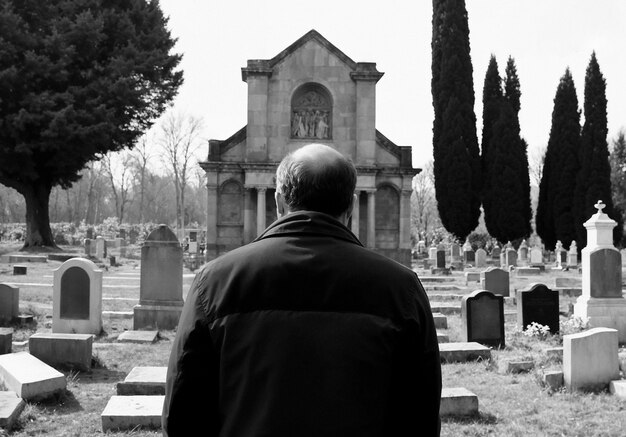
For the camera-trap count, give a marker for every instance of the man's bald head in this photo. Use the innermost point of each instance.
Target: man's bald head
(316, 178)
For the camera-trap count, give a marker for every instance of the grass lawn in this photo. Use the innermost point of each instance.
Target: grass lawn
(509, 404)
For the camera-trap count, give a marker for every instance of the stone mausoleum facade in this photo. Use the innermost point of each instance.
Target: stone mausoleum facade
(309, 92)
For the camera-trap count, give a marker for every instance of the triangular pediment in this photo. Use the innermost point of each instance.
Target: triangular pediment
(315, 36)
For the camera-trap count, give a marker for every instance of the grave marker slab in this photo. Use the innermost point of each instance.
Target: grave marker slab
(77, 298)
(143, 380)
(19, 269)
(29, 377)
(161, 283)
(67, 351)
(9, 303)
(481, 257)
(10, 408)
(6, 340)
(495, 280)
(129, 412)
(458, 401)
(590, 359)
(536, 256)
(101, 247)
(441, 259)
(618, 388)
(138, 336)
(463, 351)
(482, 315)
(537, 303)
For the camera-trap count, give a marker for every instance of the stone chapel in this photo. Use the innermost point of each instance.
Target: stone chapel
(309, 92)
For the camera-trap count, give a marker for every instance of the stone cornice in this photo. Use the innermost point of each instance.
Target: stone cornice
(366, 71)
(256, 67)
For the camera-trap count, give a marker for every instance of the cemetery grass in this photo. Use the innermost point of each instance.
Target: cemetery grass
(509, 404)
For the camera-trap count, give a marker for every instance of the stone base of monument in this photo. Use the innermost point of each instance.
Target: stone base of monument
(143, 381)
(29, 377)
(130, 412)
(603, 313)
(11, 407)
(458, 401)
(163, 317)
(67, 351)
(463, 351)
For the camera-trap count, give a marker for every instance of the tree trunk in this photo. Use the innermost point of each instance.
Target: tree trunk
(38, 232)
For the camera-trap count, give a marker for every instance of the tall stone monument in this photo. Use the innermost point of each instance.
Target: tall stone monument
(161, 281)
(601, 300)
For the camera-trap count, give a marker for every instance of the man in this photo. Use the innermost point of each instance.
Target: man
(304, 332)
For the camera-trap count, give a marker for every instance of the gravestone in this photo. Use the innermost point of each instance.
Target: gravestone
(122, 233)
(558, 251)
(441, 259)
(601, 301)
(77, 298)
(122, 248)
(536, 256)
(89, 235)
(421, 247)
(455, 252)
(495, 280)
(572, 255)
(432, 253)
(482, 314)
(87, 243)
(101, 247)
(9, 303)
(495, 253)
(161, 281)
(590, 359)
(522, 252)
(537, 303)
(469, 257)
(481, 257)
(193, 242)
(510, 257)
(6, 340)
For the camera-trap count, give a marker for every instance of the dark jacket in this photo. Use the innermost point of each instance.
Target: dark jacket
(304, 332)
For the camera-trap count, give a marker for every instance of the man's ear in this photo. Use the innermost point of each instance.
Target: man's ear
(280, 204)
(353, 205)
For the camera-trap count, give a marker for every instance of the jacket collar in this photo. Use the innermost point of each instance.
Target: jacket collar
(309, 223)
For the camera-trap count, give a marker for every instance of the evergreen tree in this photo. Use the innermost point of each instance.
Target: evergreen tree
(506, 199)
(78, 78)
(555, 218)
(594, 178)
(455, 144)
(492, 98)
(617, 160)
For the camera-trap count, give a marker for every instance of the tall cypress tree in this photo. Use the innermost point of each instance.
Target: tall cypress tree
(455, 144)
(594, 178)
(506, 194)
(492, 98)
(555, 218)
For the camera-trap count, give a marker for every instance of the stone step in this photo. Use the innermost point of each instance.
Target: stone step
(129, 412)
(148, 380)
(458, 401)
(445, 308)
(463, 351)
(11, 407)
(441, 321)
(29, 377)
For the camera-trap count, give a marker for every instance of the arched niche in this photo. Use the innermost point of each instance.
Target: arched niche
(311, 112)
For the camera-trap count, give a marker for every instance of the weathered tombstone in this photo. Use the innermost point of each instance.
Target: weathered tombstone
(572, 255)
(590, 359)
(601, 301)
(469, 257)
(432, 253)
(522, 252)
(495, 280)
(482, 314)
(161, 282)
(123, 249)
(536, 256)
(421, 247)
(455, 252)
(537, 303)
(6, 340)
(441, 259)
(481, 257)
(87, 244)
(510, 257)
(101, 247)
(77, 298)
(122, 233)
(9, 303)
(89, 235)
(495, 252)
(557, 254)
(112, 261)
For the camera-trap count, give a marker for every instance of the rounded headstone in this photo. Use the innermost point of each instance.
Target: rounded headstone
(162, 235)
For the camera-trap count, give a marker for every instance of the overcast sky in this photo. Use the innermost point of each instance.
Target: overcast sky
(544, 36)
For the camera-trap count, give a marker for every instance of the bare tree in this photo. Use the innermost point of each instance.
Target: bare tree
(535, 165)
(424, 215)
(141, 156)
(179, 138)
(117, 166)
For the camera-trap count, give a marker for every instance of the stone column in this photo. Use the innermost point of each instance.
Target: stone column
(356, 215)
(260, 210)
(405, 220)
(248, 217)
(366, 76)
(601, 300)
(211, 222)
(257, 74)
(371, 219)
